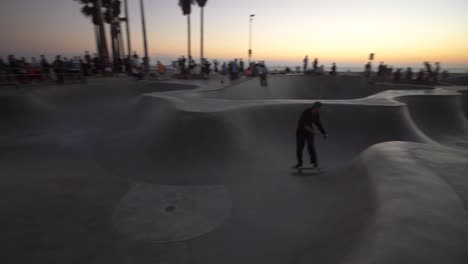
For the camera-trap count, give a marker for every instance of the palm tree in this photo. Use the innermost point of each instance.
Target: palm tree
(186, 6)
(202, 4)
(111, 17)
(93, 9)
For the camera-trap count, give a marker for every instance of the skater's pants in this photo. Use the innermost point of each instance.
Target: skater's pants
(301, 138)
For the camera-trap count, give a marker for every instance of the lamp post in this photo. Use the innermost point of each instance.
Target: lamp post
(250, 37)
(146, 59)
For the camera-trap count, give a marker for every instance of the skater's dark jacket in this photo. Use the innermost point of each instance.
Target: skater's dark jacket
(309, 117)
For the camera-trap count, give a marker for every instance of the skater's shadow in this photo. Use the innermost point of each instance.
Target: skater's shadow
(307, 173)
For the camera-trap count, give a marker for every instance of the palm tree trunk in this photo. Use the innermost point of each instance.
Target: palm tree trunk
(127, 21)
(189, 43)
(114, 37)
(201, 36)
(121, 41)
(98, 39)
(104, 53)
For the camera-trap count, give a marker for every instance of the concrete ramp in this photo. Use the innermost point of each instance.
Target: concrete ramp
(440, 117)
(304, 87)
(148, 173)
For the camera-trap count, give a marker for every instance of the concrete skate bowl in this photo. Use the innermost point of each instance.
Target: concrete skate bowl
(250, 150)
(135, 178)
(304, 87)
(39, 107)
(465, 102)
(440, 117)
(458, 80)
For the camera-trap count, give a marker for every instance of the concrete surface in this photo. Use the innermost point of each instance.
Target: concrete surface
(118, 171)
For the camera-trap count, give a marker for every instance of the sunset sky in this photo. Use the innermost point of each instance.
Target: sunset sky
(400, 32)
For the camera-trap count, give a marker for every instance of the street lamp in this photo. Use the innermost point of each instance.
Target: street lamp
(250, 37)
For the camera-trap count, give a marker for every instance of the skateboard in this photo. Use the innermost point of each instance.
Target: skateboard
(300, 169)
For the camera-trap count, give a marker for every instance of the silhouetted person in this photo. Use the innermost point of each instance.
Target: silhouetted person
(118, 66)
(67, 65)
(367, 69)
(429, 70)
(241, 66)
(34, 70)
(389, 72)
(262, 72)
(409, 74)
(75, 68)
(436, 71)
(333, 69)
(87, 63)
(315, 65)
(87, 57)
(305, 132)
(3, 70)
(12, 68)
(306, 63)
(161, 69)
(234, 69)
(21, 72)
(381, 70)
(397, 75)
(216, 63)
(223, 68)
(205, 68)
(59, 69)
(97, 64)
(420, 75)
(192, 64)
(45, 67)
(127, 61)
(182, 64)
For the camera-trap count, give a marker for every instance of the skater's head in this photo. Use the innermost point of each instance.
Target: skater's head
(317, 104)
(316, 108)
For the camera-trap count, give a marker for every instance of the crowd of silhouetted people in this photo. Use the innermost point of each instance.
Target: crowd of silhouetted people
(24, 70)
(428, 73)
(74, 68)
(233, 69)
(316, 69)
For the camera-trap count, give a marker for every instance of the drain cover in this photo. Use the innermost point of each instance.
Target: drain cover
(170, 208)
(163, 213)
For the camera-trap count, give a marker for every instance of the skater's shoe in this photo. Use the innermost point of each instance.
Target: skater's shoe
(314, 165)
(298, 166)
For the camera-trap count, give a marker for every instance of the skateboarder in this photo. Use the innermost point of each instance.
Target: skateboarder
(305, 132)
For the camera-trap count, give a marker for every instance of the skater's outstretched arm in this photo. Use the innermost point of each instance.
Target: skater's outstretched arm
(317, 123)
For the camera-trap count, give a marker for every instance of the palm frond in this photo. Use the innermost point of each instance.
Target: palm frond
(87, 10)
(202, 3)
(186, 6)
